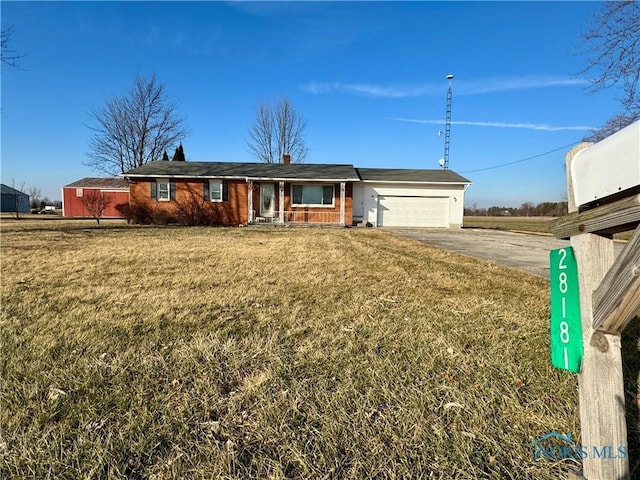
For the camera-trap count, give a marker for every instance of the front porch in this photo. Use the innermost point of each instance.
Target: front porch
(281, 203)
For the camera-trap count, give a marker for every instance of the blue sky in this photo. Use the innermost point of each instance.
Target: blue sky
(369, 77)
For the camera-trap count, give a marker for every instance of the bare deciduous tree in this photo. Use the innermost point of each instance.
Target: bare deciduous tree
(611, 126)
(278, 130)
(613, 45)
(134, 129)
(8, 57)
(34, 196)
(18, 204)
(96, 203)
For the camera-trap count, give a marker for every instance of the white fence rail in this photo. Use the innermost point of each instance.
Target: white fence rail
(298, 216)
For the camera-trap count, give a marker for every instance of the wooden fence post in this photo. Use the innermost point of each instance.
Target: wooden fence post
(601, 395)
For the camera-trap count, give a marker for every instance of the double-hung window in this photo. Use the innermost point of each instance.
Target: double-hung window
(164, 193)
(215, 190)
(312, 195)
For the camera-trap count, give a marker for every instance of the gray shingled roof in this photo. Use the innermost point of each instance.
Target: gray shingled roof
(275, 171)
(293, 171)
(104, 183)
(410, 175)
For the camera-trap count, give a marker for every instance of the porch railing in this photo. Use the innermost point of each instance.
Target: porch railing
(297, 216)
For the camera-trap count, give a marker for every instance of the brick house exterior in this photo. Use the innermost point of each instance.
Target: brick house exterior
(247, 193)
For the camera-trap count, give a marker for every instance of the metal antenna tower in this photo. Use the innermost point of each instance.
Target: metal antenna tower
(447, 125)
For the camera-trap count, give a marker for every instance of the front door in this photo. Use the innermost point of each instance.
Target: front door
(267, 199)
(358, 202)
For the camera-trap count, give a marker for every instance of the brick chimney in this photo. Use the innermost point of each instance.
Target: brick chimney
(286, 159)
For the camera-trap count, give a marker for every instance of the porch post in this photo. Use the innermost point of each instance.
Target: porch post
(250, 202)
(281, 202)
(342, 195)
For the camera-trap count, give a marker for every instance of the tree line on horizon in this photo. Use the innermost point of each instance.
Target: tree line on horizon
(527, 209)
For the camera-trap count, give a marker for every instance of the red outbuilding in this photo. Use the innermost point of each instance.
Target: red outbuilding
(115, 190)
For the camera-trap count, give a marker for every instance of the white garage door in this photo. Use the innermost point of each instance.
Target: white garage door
(396, 211)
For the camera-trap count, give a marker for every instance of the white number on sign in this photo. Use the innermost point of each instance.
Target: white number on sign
(564, 332)
(563, 255)
(563, 282)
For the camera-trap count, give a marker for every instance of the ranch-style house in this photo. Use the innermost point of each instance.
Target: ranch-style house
(284, 193)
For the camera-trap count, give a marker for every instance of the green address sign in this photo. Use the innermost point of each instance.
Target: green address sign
(566, 330)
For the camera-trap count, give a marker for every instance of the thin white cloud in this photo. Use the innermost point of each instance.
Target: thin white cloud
(528, 126)
(498, 84)
(317, 88)
(372, 90)
(461, 87)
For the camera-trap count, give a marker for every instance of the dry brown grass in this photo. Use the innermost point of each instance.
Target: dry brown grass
(539, 225)
(524, 224)
(132, 352)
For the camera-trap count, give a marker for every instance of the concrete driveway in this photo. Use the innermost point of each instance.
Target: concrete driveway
(526, 252)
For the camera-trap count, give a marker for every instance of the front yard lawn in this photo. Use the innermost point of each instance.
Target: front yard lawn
(132, 352)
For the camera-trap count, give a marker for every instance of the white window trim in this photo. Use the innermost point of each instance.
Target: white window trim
(168, 183)
(315, 205)
(219, 182)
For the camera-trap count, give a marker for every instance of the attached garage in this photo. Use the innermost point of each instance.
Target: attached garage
(396, 211)
(409, 198)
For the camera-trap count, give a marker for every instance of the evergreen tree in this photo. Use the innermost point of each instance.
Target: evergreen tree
(165, 157)
(179, 155)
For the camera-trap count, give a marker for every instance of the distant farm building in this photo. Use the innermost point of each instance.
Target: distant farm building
(13, 200)
(115, 190)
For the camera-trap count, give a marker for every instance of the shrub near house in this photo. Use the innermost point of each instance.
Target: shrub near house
(188, 202)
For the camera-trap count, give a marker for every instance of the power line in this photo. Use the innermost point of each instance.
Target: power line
(522, 160)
